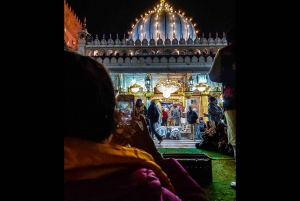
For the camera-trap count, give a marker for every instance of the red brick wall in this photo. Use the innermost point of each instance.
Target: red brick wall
(72, 26)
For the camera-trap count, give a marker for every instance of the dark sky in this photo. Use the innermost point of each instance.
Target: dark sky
(117, 16)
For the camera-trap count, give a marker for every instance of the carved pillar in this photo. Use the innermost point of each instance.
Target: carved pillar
(120, 81)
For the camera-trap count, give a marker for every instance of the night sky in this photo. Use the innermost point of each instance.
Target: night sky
(108, 16)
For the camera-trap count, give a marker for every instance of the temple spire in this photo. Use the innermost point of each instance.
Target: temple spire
(84, 23)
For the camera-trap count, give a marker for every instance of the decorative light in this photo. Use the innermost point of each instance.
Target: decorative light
(167, 87)
(147, 82)
(202, 79)
(133, 81)
(191, 82)
(216, 92)
(135, 87)
(166, 94)
(201, 86)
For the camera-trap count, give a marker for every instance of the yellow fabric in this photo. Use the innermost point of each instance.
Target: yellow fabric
(138, 109)
(230, 116)
(159, 107)
(86, 160)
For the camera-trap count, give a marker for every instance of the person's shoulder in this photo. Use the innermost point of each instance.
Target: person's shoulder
(227, 48)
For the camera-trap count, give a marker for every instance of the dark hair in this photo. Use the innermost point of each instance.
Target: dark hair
(138, 101)
(211, 98)
(89, 99)
(208, 123)
(231, 35)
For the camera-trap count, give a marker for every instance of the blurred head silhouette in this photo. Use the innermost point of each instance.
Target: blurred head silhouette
(89, 98)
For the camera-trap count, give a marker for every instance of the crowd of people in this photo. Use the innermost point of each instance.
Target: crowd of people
(107, 160)
(98, 168)
(172, 115)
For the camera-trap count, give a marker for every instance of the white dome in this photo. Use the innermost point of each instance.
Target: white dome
(163, 23)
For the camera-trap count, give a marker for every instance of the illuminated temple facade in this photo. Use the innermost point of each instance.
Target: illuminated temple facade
(162, 45)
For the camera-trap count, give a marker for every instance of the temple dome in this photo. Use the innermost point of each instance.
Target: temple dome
(162, 22)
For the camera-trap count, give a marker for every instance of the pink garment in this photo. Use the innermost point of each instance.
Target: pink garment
(137, 184)
(165, 114)
(185, 186)
(140, 184)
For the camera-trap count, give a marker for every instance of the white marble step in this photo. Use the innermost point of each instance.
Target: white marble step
(184, 143)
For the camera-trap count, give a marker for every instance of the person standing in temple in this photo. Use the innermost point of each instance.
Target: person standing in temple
(165, 117)
(214, 110)
(192, 117)
(153, 115)
(175, 114)
(223, 71)
(182, 114)
(159, 109)
(200, 128)
(140, 108)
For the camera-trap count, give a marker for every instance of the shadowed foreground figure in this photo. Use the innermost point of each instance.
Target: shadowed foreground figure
(97, 164)
(223, 71)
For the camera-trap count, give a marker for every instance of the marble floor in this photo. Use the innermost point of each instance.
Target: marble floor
(182, 143)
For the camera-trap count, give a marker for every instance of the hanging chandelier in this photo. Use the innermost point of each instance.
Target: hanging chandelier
(134, 87)
(147, 82)
(167, 87)
(201, 86)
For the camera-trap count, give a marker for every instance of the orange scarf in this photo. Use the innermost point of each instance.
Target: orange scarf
(138, 109)
(86, 160)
